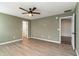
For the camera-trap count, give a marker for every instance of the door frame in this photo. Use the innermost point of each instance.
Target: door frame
(73, 44)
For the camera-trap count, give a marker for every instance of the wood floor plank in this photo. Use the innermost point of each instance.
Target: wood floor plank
(33, 47)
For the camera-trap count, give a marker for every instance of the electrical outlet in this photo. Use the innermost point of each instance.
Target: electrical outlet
(13, 37)
(48, 37)
(58, 29)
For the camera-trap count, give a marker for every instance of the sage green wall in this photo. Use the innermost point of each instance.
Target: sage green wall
(77, 28)
(10, 26)
(46, 28)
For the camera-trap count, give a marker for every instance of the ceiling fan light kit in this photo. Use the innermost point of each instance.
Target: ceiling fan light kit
(29, 14)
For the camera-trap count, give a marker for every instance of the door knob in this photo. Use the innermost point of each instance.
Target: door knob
(73, 33)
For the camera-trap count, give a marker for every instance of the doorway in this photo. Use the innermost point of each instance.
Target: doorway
(72, 37)
(25, 29)
(66, 31)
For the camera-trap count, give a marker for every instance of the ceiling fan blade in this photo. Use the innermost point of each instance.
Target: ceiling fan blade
(35, 12)
(23, 9)
(30, 9)
(24, 13)
(33, 8)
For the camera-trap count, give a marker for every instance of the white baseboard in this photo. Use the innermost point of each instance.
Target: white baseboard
(46, 40)
(10, 42)
(76, 52)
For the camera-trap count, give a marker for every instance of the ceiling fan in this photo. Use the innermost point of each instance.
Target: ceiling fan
(29, 12)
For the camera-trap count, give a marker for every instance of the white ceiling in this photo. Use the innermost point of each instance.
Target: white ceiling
(45, 8)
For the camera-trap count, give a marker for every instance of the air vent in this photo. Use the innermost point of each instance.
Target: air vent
(67, 10)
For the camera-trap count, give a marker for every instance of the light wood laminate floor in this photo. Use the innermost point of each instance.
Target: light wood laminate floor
(34, 47)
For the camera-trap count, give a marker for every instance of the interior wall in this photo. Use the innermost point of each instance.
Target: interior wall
(10, 28)
(77, 28)
(66, 27)
(47, 28)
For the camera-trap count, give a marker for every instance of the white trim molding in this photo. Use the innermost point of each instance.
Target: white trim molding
(76, 52)
(46, 40)
(10, 41)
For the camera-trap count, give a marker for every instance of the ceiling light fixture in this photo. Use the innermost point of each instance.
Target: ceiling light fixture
(29, 14)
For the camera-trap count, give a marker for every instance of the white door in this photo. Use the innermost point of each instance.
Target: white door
(25, 28)
(73, 31)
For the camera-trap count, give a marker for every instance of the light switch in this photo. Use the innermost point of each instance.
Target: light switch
(56, 17)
